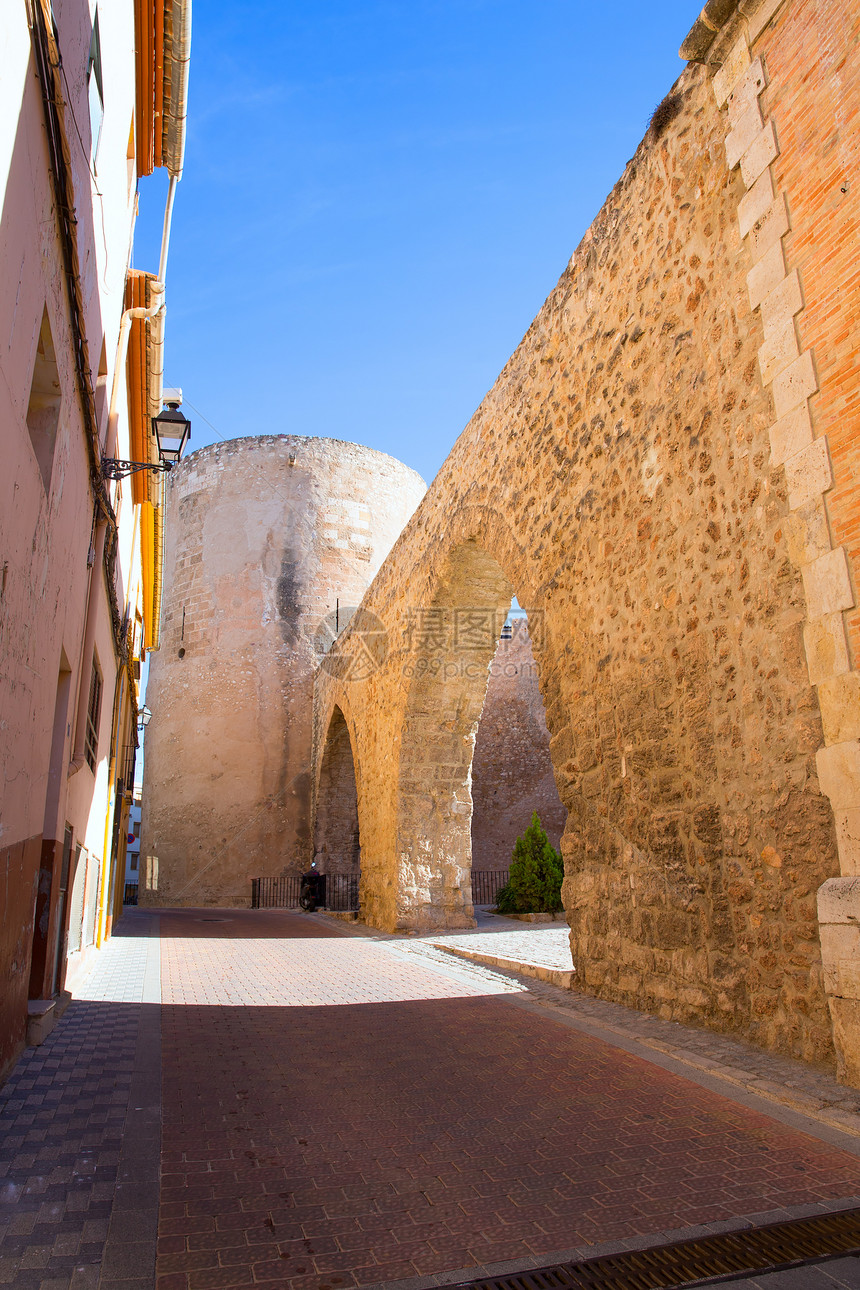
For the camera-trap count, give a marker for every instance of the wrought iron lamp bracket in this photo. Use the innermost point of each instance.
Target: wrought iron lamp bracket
(116, 468)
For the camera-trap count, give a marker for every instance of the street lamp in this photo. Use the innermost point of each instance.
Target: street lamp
(172, 431)
(144, 717)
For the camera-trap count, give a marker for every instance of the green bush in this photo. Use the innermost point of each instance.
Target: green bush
(534, 883)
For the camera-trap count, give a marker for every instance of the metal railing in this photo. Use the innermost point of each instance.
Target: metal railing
(341, 890)
(486, 885)
(275, 893)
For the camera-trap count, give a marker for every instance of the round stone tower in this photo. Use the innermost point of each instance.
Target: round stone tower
(270, 543)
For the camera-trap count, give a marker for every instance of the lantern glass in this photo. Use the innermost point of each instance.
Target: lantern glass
(172, 431)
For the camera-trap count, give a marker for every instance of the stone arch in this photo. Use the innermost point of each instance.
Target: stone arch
(512, 771)
(337, 835)
(452, 641)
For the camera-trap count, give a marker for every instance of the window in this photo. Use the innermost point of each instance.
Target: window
(95, 90)
(132, 864)
(94, 708)
(43, 409)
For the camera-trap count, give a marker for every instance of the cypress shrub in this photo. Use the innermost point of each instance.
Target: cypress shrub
(534, 883)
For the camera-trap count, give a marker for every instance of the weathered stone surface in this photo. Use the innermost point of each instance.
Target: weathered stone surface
(264, 536)
(808, 473)
(734, 67)
(827, 583)
(839, 772)
(848, 833)
(759, 154)
(745, 92)
(826, 647)
(766, 275)
(755, 204)
(769, 228)
(795, 385)
(790, 435)
(780, 307)
(618, 479)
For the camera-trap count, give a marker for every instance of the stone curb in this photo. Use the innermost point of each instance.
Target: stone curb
(554, 976)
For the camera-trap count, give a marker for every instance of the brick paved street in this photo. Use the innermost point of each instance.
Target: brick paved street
(78, 1143)
(341, 1110)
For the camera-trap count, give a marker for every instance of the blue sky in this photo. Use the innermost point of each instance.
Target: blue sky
(378, 197)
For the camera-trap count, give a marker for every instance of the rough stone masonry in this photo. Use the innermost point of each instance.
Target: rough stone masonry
(665, 475)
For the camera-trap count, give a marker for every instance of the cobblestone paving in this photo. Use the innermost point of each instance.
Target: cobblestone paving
(62, 1117)
(350, 1110)
(401, 1119)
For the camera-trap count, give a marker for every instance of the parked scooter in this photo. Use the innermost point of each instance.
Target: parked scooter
(312, 889)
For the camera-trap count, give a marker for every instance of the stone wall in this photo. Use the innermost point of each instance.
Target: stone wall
(621, 479)
(269, 543)
(512, 773)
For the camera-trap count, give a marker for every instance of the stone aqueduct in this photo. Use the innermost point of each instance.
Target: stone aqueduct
(664, 475)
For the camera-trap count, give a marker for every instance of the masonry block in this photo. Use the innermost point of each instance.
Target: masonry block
(781, 305)
(845, 1017)
(839, 773)
(839, 932)
(759, 15)
(848, 838)
(839, 701)
(736, 63)
(840, 954)
(826, 647)
(778, 351)
(766, 275)
(827, 584)
(746, 91)
(808, 473)
(746, 130)
(808, 533)
(41, 1016)
(769, 228)
(794, 385)
(760, 153)
(790, 435)
(754, 203)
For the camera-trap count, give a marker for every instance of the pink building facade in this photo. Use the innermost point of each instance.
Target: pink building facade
(75, 589)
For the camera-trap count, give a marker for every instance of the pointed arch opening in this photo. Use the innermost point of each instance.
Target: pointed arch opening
(337, 840)
(512, 771)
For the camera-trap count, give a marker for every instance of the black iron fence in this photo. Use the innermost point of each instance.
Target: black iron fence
(340, 890)
(486, 885)
(275, 893)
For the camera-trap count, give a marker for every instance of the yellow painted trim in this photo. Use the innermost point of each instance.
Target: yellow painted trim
(158, 568)
(147, 564)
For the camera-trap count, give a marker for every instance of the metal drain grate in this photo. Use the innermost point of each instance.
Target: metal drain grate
(698, 1262)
